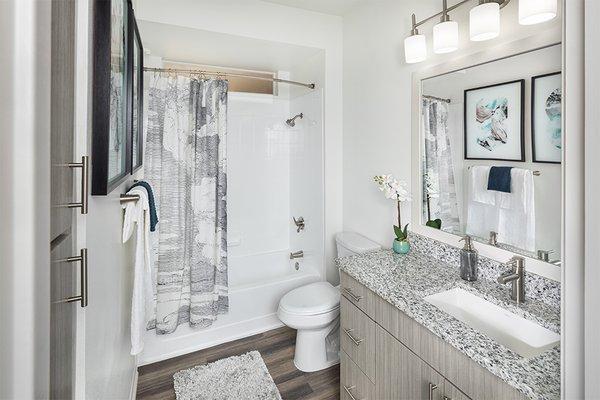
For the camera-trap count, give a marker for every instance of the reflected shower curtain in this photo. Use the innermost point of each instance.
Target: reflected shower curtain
(439, 173)
(186, 165)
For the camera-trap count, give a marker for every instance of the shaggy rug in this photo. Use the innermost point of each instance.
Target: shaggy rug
(233, 378)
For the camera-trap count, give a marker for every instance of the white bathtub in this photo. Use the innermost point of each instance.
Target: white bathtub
(256, 283)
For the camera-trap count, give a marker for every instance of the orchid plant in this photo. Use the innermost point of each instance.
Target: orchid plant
(398, 191)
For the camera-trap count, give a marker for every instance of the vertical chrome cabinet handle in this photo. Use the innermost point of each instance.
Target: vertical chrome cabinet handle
(83, 204)
(354, 340)
(447, 398)
(432, 388)
(349, 391)
(352, 295)
(83, 264)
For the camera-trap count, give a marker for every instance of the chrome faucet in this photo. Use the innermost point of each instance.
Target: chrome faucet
(296, 254)
(516, 276)
(493, 241)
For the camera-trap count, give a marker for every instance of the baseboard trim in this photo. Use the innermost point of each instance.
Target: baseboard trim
(134, 383)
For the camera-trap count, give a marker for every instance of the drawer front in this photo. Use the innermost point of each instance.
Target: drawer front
(357, 294)
(354, 384)
(357, 337)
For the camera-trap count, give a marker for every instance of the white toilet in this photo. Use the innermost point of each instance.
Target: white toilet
(314, 311)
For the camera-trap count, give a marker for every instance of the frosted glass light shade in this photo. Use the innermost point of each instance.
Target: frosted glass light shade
(484, 22)
(445, 37)
(415, 49)
(536, 11)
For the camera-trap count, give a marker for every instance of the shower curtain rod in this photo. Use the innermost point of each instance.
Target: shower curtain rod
(436, 98)
(226, 74)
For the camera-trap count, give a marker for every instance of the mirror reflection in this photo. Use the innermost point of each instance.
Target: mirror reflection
(492, 150)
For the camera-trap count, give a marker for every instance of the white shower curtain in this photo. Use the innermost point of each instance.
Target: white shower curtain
(186, 166)
(438, 169)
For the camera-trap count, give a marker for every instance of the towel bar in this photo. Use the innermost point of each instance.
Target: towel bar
(126, 198)
(535, 173)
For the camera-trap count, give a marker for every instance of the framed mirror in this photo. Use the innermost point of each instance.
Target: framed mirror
(489, 145)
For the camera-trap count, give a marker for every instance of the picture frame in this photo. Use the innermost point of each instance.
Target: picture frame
(136, 93)
(494, 122)
(546, 118)
(111, 141)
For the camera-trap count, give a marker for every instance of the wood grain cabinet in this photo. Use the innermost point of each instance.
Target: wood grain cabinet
(386, 355)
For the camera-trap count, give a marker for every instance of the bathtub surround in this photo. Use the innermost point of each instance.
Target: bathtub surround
(186, 165)
(432, 267)
(238, 377)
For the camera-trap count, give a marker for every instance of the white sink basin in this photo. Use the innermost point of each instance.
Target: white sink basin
(522, 336)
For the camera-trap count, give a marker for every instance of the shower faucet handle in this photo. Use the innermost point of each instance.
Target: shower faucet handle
(300, 225)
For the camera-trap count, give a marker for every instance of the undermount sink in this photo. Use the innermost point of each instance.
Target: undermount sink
(520, 335)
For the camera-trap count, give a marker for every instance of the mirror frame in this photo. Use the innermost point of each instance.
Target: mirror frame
(505, 50)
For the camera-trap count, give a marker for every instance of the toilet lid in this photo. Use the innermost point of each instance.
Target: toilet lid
(312, 299)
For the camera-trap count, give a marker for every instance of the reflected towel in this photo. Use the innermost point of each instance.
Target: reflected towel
(499, 179)
(479, 184)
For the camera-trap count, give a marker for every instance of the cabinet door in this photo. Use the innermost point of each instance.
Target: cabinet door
(401, 375)
(451, 392)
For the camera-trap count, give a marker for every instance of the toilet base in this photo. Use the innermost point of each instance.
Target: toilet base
(311, 349)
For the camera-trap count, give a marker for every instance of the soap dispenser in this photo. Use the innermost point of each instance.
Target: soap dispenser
(468, 260)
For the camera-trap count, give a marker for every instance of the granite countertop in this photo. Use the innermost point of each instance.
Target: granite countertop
(405, 280)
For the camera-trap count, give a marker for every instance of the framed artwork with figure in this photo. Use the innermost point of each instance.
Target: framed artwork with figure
(494, 122)
(546, 118)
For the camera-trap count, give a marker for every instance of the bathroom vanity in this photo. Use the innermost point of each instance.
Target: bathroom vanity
(398, 343)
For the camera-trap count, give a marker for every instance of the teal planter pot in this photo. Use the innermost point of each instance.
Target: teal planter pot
(401, 247)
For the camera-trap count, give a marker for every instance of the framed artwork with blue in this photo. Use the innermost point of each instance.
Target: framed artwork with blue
(494, 122)
(546, 118)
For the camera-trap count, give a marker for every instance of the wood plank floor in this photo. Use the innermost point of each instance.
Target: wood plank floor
(276, 348)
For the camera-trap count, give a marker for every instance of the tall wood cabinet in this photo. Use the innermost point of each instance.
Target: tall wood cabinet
(385, 355)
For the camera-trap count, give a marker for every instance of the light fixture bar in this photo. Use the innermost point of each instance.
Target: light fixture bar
(502, 4)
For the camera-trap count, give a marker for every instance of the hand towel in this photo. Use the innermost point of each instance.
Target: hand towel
(516, 214)
(499, 179)
(137, 218)
(151, 202)
(479, 184)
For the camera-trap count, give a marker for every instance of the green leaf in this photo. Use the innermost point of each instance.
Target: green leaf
(434, 223)
(398, 232)
(405, 232)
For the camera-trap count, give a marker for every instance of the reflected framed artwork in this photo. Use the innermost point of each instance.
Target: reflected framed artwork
(546, 118)
(494, 122)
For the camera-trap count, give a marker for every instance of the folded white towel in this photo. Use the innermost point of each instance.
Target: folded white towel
(137, 217)
(479, 184)
(516, 216)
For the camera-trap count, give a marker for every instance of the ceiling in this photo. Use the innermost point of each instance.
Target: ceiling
(177, 43)
(334, 7)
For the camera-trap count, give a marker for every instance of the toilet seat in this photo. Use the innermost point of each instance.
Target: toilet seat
(313, 299)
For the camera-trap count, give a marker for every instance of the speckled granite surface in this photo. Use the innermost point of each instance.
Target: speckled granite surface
(404, 281)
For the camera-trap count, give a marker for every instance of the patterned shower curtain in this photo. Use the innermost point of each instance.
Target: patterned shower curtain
(186, 165)
(439, 173)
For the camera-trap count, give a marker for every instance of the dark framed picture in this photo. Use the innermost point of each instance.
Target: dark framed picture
(494, 122)
(111, 142)
(546, 118)
(136, 109)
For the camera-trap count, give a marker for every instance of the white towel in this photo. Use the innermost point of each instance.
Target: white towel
(479, 185)
(137, 217)
(516, 214)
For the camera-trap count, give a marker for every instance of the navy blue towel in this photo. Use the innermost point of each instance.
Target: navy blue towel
(151, 203)
(499, 179)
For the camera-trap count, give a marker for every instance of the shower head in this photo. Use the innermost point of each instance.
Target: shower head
(292, 121)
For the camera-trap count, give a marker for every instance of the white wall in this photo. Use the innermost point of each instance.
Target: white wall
(548, 184)
(377, 101)
(260, 20)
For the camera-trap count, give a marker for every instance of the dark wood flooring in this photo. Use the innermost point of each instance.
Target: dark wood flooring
(276, 348)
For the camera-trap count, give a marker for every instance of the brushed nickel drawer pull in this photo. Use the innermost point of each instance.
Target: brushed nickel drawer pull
(432, 387)
(447, 398)
(83, 204)
(348, 390)
(354, 340)
(354, 297)
(83, 263)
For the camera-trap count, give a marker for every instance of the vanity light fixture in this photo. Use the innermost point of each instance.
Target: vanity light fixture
(415, 46)
(536, 11)
(445, 34)
(484, 21)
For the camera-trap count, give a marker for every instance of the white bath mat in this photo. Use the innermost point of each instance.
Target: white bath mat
(234, 378)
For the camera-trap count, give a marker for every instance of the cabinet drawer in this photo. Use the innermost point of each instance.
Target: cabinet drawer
(354, 384)
(357, 294)
(357, 337)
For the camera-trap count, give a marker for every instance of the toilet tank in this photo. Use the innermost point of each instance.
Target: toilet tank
(349, 243)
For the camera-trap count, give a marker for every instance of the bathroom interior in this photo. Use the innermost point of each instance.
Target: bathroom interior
(302, 199)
